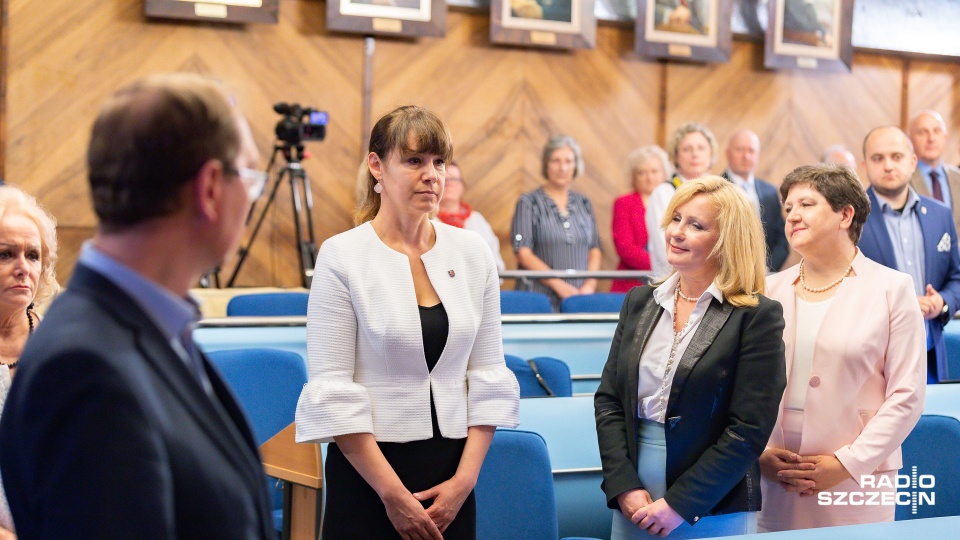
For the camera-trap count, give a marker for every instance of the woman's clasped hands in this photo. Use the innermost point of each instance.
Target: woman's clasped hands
(656, 517)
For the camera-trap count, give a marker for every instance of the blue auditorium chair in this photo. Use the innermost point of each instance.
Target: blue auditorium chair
(267, 383)
(593, 303)
(515, 496)
(274, 304)
(554, 374)
(933, 447)
(523, 302)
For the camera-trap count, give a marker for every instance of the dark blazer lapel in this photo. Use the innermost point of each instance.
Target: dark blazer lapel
(159, 355)
(875, 231)
(649, 316)
(713, 321)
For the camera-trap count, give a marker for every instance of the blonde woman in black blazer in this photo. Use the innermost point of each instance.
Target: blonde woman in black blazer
(690, 390)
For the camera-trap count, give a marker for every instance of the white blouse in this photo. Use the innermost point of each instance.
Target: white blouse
(365, 353)
(656, 352)
(6, 520)
(809, 320)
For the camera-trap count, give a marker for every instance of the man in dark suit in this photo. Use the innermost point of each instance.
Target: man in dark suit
(116, 425)
(913, 234)
(743, 152)
(928, 133)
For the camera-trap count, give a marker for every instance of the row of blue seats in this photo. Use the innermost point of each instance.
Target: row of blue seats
(511, 302)
(268, 383)
(523, 302)
(515, 491)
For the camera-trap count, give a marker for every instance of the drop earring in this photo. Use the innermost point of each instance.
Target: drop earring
(378, 187)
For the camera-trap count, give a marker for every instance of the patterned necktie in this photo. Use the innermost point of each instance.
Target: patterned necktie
(935, 186)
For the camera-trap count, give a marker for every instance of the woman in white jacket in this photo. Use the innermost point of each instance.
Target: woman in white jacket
(405, 355)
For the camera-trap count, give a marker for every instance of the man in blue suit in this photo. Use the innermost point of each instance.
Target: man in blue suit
(913, 234)
(116, 425)
(743, 153)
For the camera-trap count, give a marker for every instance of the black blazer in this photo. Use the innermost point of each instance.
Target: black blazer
(722, 408)
(771, 216)
(107, 434)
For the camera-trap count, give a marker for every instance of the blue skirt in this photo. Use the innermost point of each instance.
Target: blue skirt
(652, 469)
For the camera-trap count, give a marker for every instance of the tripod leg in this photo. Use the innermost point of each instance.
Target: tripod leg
(244, 250)
(305, 247)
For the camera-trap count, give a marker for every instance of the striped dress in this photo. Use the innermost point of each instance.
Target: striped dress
(562, 242)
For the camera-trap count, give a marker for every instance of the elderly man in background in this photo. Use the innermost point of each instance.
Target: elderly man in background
(934, 178)
(838, 154)
(116, 425)
(743, 153)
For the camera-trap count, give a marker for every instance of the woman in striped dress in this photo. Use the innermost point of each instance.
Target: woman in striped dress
(554, 227)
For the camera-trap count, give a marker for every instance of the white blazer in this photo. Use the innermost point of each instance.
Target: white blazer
(368, 373)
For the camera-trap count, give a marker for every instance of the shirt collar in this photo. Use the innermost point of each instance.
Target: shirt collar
(912, 201)
(168, 311)
(665, 292)
(925, 169)
(739, 179)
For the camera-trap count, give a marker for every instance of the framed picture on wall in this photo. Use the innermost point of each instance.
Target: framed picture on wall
(696, 30)
(809, 34)
(410, 18)
(560, 24)
(230, 11)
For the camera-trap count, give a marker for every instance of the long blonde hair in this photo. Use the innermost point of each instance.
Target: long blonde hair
(740, 250)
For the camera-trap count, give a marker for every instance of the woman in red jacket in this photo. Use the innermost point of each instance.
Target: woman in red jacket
(647, 168)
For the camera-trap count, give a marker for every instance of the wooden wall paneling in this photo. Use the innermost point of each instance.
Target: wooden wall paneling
(67, 57)
(502, 103)
(832, 108)
(795, 113)
(935, 84)
(736, 95)
(3, 85)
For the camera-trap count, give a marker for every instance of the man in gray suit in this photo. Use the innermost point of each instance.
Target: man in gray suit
(934, 178)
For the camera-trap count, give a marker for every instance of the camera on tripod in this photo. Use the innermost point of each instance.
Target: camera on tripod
(300, 123)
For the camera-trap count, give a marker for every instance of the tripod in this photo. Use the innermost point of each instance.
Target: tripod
(302, 210)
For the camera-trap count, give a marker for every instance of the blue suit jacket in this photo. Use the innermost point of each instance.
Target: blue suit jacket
(942, 266)
(771, 216)
(107, 434)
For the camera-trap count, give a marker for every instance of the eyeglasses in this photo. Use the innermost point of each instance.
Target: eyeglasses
(253, 181)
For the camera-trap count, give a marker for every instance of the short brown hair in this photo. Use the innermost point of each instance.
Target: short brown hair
(557, 142)
(391, 134)
(838, 185)
(151, 138)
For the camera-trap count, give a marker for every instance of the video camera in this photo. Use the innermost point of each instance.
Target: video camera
(300, 123)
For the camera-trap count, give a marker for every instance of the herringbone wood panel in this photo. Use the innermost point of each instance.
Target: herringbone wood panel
(502, 103)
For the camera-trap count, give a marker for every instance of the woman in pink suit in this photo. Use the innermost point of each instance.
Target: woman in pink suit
(647, 168)
(856, 363)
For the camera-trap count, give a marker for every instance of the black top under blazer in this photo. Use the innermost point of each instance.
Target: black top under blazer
(722, 407)
(107, 434)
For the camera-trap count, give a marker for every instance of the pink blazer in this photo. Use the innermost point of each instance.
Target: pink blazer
(630, 238)
(868, 379)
